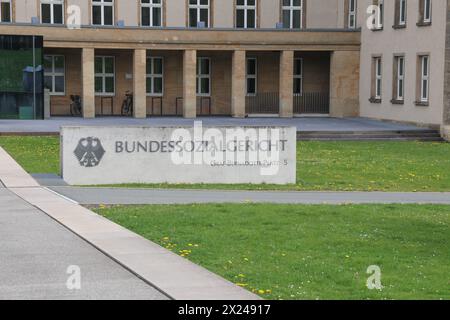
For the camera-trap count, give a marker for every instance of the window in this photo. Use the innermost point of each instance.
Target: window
(298, 76)
(203, 76)
(54, 74)
(52, 11)
(377, 73)
(104, 75)
(292, 12)
(103, 12)
(155, 78)
(427, 11)
(402, 13)
(245, 13)
(251, 76)
(151, 13)
(5, 10)
(352, 14)
(399, 78)
(198, 13)
(424, 78)
(380, 14)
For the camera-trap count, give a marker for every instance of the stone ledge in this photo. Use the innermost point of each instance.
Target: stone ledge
(445, 132)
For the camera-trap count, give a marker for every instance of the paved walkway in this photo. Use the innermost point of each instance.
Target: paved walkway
(306, 124)
(36, 251)
(111, 196)
(43, 233)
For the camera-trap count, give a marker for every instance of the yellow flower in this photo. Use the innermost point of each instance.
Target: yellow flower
(241, 284)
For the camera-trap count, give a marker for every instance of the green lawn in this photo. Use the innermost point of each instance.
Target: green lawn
(307, 252)
(34, 154)
(341, 166)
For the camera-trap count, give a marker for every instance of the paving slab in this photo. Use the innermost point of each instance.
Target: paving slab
(36, 251)
(124, 196)
(49, 179)
(303, 124)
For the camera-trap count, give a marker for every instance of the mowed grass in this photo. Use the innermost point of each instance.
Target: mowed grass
(35, 154)
(307, 252)
(321, 166)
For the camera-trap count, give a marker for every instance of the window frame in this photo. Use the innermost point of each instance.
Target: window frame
(198, 7)
(426, 7)
(151, 76)
(352, 13)
(400, 65)
(102, 4)
(54, 74)
(152, 6)
(246, 8)
(10, 11)
(199, 77)
(251, 76)
(52, 4)
(378, 78)
(292, 8)
(402, 13)
(424, 77)
(380, 24)
(105, 75)
(298, 77)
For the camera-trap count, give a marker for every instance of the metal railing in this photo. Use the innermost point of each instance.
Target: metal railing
(312, 103)
(263, 103)
(204, 106)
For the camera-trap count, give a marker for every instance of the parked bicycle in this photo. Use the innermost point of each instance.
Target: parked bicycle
(127, 105)
(76, 109)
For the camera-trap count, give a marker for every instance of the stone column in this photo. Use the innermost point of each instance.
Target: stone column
(286, 84)
(189, 83)
(88, 82)
(445, 128)
(238, 84)
(344, 84)
(139, 83)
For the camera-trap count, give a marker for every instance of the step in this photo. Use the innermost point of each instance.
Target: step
(405, 132)
(431, 139)
(388, 135)
(428, 135)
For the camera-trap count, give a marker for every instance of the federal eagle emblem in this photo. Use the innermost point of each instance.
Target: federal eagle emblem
(89, 152)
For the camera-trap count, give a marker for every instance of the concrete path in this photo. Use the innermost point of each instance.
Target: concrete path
(306, 124)
(43, 233)
(111, 196)
(36, 252)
